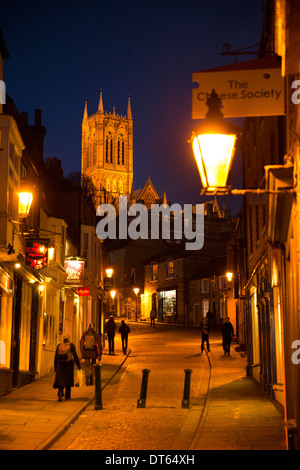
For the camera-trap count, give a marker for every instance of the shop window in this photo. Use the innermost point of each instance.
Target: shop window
(167, 303)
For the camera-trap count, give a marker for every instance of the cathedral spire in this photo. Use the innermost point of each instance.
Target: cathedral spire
(129, 114)
(100, 106)
(85, 114)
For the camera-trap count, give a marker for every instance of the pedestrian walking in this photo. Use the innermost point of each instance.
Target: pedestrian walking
(205, 334)
(65, 355)
(210, 318)
(110, 329)
(91, 350)
(227, 333)
(153, 315)
(124, 330)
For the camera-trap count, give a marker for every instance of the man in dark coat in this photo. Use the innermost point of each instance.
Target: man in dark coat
(110, 329)
(91, 349)
(124, 330)
(227, 333)
(204, 334)
(65, 356)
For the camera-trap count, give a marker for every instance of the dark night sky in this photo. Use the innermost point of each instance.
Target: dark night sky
(63, 53)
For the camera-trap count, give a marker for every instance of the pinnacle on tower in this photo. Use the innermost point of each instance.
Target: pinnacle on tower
(85, 114)
(129, 114)
(100, 106)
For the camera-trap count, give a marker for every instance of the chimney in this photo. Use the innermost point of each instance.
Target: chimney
(38, 118)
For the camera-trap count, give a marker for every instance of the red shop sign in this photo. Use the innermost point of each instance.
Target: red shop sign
(74, 275)
(37, 253)
(83, 291)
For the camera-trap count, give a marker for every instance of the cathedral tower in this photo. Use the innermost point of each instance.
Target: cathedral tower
(107, 152)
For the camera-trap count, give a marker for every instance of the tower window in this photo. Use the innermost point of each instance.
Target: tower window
(119, 145)
(121, 148)
(109, 148)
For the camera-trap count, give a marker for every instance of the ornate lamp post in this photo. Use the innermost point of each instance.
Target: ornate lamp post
(136, 291)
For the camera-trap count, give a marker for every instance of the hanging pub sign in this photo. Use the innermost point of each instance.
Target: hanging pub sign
(251, 88)
(37, 253)
(83, 291)
(74, 272)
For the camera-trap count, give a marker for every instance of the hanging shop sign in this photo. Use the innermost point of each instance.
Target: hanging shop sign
(83, 291)
(74, 272)
(37, 253)
(251, 88)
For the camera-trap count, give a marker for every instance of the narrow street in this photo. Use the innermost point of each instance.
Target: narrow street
(237, 416)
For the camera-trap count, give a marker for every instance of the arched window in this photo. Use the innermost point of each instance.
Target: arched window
(119, 151)
(106, 150)
(123, 152)
(107, 184)
(121, 147)
(114, 186)
(109, 148)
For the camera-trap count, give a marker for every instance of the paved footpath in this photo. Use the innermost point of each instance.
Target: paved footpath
(31, 418)
(238, 415)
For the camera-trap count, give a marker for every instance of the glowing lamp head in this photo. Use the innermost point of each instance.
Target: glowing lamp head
(109, 272)
(214, 156)
(229, 276)
(112, 294)
(136, 290)
(25, 201)
(214, 146)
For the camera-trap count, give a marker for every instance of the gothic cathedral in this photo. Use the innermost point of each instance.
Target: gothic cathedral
(107, 152)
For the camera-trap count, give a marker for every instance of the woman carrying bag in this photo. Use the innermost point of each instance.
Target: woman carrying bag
(65, 356)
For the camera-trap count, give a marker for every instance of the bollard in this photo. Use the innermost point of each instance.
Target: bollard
(141, 403)
(98, 391)
(187, 389)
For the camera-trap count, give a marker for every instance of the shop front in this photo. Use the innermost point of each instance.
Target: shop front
(167, 306)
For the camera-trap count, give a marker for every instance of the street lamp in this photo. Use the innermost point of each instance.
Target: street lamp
(136, 291)
(229, 276)
(113, 295)
(109, 272)
(25, 201)
(214, 145)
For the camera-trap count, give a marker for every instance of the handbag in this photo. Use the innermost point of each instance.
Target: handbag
(79, 378)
